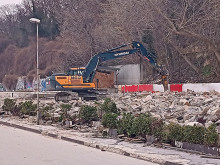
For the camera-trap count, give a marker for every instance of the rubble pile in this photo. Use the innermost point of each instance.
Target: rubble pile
(185, 108)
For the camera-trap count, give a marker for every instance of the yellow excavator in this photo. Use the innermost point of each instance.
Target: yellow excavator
(80, 79)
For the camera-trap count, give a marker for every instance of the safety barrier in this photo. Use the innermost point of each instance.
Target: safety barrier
(199, 87)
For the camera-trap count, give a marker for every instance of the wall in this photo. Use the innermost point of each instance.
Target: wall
(128, 74)
(106, 80)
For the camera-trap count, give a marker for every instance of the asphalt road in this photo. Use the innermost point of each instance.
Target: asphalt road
(18, 147)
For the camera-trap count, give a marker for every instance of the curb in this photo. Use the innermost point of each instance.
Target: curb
(101, 147)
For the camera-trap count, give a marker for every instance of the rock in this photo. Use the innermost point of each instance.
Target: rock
(218, 129)
(204, 112)
(96, 123)
(172, 105)
(149, 140)
(205, 93)
(201, 120)
(194, 124)
(137, 140)
(187, 103)
(207, 101)
(56, 117)
(2, 112)
(146, 99)
(208, 124)
(68, 123)
(175, 121)
(217, 113)
(49, 122)
(112, 133)
(179, 118)
(121, 136)
(186, 107)
(182, 101)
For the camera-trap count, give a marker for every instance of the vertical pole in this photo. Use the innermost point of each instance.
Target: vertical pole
(38, 115)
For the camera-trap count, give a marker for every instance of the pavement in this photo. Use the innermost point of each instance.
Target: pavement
(166, 156)
(19, 147)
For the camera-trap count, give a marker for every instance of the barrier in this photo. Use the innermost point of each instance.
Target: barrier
(176, 87)
(200, 87)
(136, 88)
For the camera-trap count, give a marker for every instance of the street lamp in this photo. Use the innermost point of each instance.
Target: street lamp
(37, 21)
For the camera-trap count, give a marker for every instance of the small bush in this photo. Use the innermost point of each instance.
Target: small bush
(9, 105)
(28, 108)
(174, 132)
(109, 106)
(211, 136)
(88, 114)
(109, 120)
(45, 115)
(157, 126)
(142, 125)
(125, 124)
(193, 134)
(65, 108)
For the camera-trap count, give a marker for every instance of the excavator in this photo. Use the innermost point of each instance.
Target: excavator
(80, 80)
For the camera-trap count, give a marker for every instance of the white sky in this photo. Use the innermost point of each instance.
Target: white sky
(5, 2)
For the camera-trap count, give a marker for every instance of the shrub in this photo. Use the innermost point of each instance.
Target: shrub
(211, 136)
(109, 106)
(45, 115)
(157, 126)
(125, 124)
(109, 120)
(28, 108)
(174, 132)
(193, 134)
(88, 113)
(9, 105)
(142, 125)
(65, 108)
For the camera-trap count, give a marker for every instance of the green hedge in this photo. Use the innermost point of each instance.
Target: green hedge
(146, 125)
(109, 120)
(191, 134)
(88, 114)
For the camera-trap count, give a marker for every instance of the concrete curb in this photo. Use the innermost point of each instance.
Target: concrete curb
(102, 147)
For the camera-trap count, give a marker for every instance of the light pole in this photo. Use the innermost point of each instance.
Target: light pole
(37, 21)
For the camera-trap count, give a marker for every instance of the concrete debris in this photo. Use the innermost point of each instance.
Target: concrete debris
(185, 108)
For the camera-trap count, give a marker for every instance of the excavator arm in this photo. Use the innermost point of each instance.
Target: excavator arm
(114, 53)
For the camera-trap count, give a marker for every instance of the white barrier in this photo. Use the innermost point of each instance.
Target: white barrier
(202, 87)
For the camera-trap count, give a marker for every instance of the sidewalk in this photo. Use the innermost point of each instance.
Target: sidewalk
(139, 151)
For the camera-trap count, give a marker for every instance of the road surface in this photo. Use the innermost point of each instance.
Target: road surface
(18, 147)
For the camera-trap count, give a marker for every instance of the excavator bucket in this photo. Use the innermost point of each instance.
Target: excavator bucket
(165, 82)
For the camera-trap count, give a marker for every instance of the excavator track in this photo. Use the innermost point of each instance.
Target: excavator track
(85, 95)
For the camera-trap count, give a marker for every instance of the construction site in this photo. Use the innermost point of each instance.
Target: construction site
(145, 85)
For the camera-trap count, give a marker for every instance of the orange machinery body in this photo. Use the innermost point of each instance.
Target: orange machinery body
(73, 80)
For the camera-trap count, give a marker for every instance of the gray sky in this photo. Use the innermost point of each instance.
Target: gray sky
(5, 2)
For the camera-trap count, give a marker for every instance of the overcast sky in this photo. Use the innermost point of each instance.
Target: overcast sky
(5, 2)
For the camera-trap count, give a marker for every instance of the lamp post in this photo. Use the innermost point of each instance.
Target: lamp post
(37, 21)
